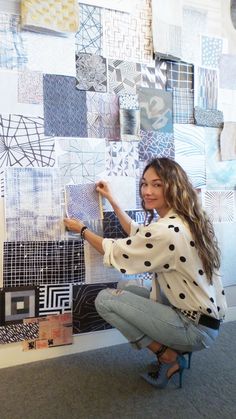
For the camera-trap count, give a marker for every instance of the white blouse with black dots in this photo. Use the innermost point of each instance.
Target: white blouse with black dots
(166, 248)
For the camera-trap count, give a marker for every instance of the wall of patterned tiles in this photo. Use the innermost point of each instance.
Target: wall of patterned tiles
(126, 85)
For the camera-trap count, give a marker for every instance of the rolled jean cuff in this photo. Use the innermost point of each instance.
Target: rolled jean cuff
(141, 342)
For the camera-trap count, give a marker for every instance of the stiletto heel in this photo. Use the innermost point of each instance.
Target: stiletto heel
(159, 378)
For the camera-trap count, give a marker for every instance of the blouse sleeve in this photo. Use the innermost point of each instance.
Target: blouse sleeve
(146, 251)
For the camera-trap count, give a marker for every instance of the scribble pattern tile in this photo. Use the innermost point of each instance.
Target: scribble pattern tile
(91, 72)
(153, 144)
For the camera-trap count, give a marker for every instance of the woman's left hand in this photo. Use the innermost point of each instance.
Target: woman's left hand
(73, 224)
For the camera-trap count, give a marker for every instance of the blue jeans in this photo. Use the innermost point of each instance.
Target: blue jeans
(143, 321)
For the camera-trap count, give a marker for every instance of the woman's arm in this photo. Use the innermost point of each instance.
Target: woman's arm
(104, 189)
(92, 238)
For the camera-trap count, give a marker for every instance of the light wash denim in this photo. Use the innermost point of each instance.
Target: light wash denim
(143, 321)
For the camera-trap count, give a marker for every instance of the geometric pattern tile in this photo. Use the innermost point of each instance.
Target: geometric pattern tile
(122, 158)
(55, 299)
(85, 317)
(183, 101)
(211, 51)
(179, 74)
(18, 303)
(206, 87)
(88, 38)
(123, 76)
(219, 205)
(80, 161)
(135, 44)
(41, 263)
(156, 144)
(23, 144)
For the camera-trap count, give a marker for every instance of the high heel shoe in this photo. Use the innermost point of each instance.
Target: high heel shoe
(159, 378)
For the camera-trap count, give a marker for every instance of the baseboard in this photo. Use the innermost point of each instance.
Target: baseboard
(12, 354)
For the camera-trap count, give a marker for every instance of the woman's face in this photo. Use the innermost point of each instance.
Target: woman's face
(152, 192)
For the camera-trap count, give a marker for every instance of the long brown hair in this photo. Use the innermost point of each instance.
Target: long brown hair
(183, 199)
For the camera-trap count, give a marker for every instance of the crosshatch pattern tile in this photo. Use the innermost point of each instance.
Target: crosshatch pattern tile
(85, 317)
(40, 263)
(89, 37)
(179, 75)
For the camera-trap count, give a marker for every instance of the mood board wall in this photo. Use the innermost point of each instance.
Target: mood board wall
(127, 86)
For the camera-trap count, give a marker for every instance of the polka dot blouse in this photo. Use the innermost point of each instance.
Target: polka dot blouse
(167, 249)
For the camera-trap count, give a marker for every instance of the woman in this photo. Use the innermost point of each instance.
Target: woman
(180, 248)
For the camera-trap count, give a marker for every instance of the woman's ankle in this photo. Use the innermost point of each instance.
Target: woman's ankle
(168, 356)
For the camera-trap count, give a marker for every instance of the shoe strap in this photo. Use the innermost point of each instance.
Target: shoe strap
(161, 351)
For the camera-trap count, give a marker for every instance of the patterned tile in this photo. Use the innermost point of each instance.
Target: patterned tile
(123, 76)
(122, 159)
(153, 144)
(156, 110)
(55, 299)
(89, 37)
(18, 304)
(61, 103)
(41, 263)
(85, 317)
(12, 48)
(91, 72)
(219, 205)
(135, 44)
(83, 202)
(13, 333)
(33, 208)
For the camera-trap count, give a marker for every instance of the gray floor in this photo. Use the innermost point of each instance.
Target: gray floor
(105, 383)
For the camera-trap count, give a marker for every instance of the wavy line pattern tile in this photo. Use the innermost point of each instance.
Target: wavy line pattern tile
(89, 37)
(33, 204)
(154, 144)
(61, 103)
(55, 299)
(41, 263)
(12, 48)
(80, 161)
(85, 317)
(190, 152)
(83, 202)
(103, 115)
(135, 44)
(23, 143)
(122, 159)
(219, 205)
(91, 72)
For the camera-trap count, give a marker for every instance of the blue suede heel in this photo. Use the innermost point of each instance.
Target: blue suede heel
(159, 378)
